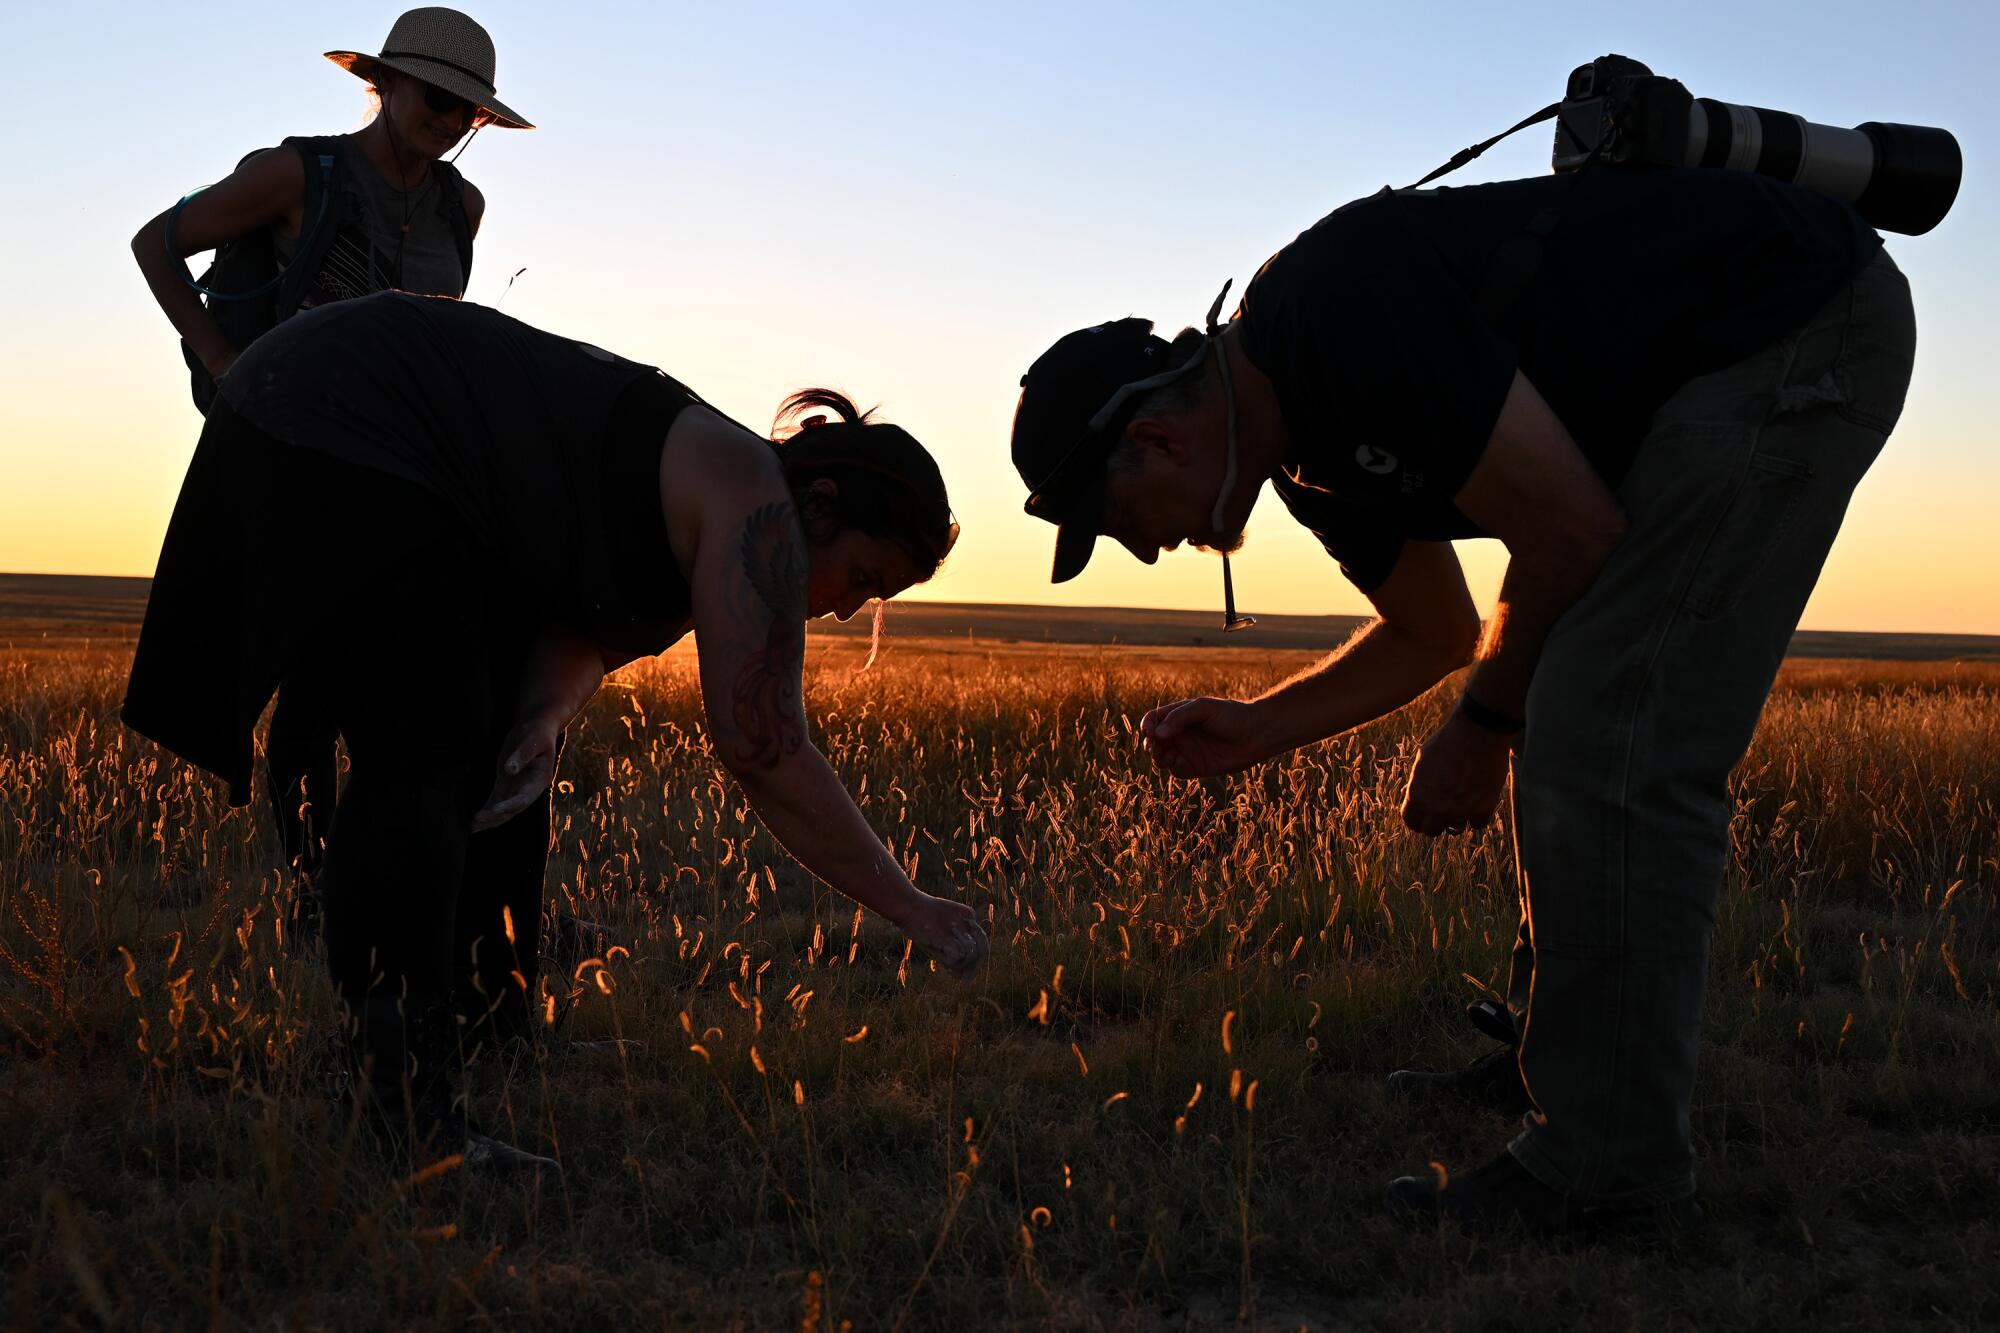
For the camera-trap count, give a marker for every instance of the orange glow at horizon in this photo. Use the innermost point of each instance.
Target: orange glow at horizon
(753, 237)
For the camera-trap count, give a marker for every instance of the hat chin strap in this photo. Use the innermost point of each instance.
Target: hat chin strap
(1230, 620)
(1215, 517)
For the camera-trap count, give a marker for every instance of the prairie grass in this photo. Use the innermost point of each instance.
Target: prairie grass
(1160, 1107)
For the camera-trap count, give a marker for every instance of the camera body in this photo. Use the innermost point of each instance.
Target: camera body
(1617, 112)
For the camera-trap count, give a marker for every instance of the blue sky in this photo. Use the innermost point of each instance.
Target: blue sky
(911, 201)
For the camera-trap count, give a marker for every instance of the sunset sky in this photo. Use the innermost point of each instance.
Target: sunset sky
(910, 201)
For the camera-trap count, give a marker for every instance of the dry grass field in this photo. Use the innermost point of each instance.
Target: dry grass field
(1160, 1107)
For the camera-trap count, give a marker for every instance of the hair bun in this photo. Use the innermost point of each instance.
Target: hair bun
(797, 413)
(886, 484)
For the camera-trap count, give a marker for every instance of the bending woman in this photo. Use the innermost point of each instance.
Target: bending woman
(339, 216)
(498, 517)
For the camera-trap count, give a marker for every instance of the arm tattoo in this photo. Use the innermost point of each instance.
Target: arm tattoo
(765, 703)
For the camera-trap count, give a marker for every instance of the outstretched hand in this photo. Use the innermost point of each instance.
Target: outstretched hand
(527, 766)
(951, 931)
(1199, 738)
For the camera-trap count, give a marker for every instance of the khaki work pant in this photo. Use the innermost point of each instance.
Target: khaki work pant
(1646, 696)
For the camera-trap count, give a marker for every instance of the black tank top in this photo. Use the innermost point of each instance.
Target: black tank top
(547, 449)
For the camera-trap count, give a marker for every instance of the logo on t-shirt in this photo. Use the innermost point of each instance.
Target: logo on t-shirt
(1379, 461)
(351, 267)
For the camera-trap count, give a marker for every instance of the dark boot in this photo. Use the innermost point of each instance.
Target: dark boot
(1501, 1195)
(490, 1157)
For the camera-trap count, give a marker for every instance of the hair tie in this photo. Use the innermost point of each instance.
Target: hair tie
(813, 422)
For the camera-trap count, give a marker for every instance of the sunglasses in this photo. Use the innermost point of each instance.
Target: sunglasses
(443, 100)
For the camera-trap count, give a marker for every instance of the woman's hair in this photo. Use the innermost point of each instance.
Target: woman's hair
(887, 485)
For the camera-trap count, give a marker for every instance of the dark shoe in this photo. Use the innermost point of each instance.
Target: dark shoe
(496, 1160)
(1498, 1195)
(1493, 1080)
(1501, 1195)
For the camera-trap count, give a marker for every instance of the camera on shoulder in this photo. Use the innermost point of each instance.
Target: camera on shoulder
(1617, 112)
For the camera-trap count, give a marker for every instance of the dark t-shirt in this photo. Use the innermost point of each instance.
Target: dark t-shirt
(1390, 373)
(506, 424)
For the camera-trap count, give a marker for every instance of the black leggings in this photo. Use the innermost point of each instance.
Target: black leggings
(423, 682)
(300, 759)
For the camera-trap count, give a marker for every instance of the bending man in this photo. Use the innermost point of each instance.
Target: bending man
(1660, 411)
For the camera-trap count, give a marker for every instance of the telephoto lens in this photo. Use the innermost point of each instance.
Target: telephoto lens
(1900, 178)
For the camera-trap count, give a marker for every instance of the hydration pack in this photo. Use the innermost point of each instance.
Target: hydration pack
(243, 290)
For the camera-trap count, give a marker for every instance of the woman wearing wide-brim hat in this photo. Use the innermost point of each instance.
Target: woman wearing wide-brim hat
(317, 220)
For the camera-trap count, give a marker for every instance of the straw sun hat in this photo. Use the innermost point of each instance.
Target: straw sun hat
(444, 48)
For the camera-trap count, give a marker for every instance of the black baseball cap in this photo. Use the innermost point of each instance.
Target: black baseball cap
(1074, 404)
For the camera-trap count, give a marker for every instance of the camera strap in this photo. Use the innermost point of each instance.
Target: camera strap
(1465, 155)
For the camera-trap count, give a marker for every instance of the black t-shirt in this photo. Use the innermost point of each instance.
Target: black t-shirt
(509, 426)
(1390, 374)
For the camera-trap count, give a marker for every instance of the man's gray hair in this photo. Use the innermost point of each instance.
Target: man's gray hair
(1170, 399)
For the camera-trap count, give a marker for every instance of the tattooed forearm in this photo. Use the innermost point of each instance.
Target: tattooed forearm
(765, 704)
(767, 721)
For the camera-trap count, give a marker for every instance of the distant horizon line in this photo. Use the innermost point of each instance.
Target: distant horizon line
(1129, 607)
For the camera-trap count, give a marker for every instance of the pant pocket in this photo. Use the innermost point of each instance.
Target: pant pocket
(1881, 344)
(1754, 523)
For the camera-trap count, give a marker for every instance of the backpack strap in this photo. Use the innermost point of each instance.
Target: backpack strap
(323, 207)
(453, 182)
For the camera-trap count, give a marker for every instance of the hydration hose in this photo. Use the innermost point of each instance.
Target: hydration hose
(265, 289)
